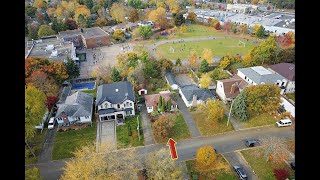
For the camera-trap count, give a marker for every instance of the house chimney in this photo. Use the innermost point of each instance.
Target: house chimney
(233, 88)
(194, 100)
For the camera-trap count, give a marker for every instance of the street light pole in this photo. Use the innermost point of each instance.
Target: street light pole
(230, 113)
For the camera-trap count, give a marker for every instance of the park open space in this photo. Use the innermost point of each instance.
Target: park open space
(219, 46)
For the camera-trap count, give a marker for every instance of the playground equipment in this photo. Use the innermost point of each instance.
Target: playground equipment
(241, 43)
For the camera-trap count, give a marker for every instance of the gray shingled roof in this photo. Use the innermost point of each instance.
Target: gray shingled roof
(170, 78)
(258, 78)
(287, 70)
(190, 90)
(107, 92)
(78, 104)
(65, 92)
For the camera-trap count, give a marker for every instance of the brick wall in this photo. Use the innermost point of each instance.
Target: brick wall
(97, 41)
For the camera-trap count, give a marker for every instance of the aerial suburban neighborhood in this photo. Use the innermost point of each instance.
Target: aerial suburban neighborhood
(160, 89)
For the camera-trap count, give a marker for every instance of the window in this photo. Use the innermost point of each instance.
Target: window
(282, 84)
(118, 105)
(130, 104)
(245, 77)
(127, 103)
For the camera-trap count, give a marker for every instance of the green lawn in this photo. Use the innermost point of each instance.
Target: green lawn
(224, 171)
(260, 120)
(66, 142)
(198, 116)
(36, 143)
(123, 138)
(219, 47)
(261, 167)
(291, 96)
(91, 91)
(180, 129)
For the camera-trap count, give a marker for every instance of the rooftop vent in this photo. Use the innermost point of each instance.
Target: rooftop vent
(117, 90)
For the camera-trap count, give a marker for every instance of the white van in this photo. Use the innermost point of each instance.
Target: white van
(51, 123)
(284, 122)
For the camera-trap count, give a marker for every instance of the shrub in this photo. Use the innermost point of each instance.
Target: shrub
(281, 174)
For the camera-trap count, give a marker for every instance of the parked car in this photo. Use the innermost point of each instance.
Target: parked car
(251, 142)
(240, 172)
(284, 122)
(51, 123)
(293, 165)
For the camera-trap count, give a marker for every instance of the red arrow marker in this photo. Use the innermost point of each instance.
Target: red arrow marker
(172, 145)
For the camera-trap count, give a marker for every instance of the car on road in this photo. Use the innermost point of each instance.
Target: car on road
(283, 123)
(240, 172)
(51, 123)
(251, 142)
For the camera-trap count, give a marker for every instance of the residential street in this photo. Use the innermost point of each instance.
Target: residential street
(224, 143)
(46, 153)
(235, 159)
(187, 117)
(146, 125)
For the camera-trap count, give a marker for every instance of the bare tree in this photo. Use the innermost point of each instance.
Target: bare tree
(275, 149)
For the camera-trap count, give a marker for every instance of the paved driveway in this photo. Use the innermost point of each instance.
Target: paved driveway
(187, 117)
(146, 125)
(46, 153)
(106, 133)
(183, 79)
(235, 159)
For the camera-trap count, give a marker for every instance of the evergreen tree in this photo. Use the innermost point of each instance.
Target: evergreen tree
(204, 66)
(115, 75)
(178, 19)
(163, 105)
(169, 105)
(239, 108)
(160, 103)
(178, 62)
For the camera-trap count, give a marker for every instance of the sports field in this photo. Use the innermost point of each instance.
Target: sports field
(219, 47)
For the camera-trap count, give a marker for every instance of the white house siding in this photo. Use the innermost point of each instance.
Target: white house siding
(174, 87)
(145, 91)
(290, 87)
(220, 91)
(288, 106)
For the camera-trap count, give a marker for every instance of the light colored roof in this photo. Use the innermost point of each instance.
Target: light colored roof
(78, 104)
(260, 75)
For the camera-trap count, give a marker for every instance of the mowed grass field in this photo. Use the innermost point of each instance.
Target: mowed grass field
(219, 47)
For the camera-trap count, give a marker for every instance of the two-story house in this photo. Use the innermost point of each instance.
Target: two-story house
(115, 101)
(286, 70)
(260, 75)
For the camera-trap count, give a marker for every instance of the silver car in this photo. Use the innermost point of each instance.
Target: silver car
(240, 172)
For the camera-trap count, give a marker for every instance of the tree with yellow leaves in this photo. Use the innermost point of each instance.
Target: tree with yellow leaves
(40, 4)
(82, 9)
(207, 55)
(225, 62)
(173, 6)
(193, 58)
(183, 28)
(161, 4)
(159, 17)
(213, 110)
(88, 163)
(256, 28)
(205, 80)
(206, 158)
(118, 11)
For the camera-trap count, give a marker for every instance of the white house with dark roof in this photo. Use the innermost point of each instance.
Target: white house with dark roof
(77, 108)
(115, 101)
(260, 75)
(286, 70)
(192, 95)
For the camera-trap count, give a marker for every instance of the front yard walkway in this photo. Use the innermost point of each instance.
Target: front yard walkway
(146, 125)
(187, 117)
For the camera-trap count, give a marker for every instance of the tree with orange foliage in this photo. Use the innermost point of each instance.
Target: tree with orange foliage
(193, 59)
(162, 127)
(286, 40)
(40, 4)
(159, 17)
(206, 158)
(42, 82)
(118, 12)
(60, 72)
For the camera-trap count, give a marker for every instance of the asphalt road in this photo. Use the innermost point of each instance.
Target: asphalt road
(235, 159)
(224, 143)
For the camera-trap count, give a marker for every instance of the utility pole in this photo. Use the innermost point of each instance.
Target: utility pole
(230, 113)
